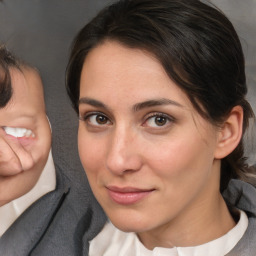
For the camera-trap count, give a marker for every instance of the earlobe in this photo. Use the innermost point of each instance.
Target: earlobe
(230, 133)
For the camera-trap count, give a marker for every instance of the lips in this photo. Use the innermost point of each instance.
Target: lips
(128, 195)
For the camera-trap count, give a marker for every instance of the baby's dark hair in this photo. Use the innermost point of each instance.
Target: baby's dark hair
(7, 60)
(197, 46)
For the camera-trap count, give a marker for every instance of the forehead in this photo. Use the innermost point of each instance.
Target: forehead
(112, 70)
(111, 56)
(26, 80)
(27, 90)
(19, 85)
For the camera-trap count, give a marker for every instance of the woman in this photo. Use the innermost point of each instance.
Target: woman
(160, 89)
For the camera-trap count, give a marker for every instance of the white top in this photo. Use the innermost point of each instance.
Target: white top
(46, 183)
(113, 242)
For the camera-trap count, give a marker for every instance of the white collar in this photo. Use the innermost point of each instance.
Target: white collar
(46, 183)
(218, 247)
(111, 241)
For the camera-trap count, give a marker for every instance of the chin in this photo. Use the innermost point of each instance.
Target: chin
(129, 222)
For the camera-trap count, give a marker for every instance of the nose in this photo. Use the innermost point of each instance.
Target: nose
(123, 153)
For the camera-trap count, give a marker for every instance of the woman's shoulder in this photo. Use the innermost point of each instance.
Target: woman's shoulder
(242, 195)
(247, 244)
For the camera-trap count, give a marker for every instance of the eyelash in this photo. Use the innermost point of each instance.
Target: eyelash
(155, 115)
(85, 117)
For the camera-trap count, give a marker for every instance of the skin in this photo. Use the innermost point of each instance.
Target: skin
(23, 159)
(161, 151)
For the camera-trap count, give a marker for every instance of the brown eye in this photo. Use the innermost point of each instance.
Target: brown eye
(160, 120)
(95, 119)
(101, 119)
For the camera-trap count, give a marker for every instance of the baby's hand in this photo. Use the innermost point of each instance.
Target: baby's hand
(14, 158)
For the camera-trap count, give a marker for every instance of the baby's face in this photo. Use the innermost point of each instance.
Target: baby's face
(25, 120)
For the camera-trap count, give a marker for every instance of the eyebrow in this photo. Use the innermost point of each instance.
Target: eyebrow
(92, 102)
(137, 107)
(155, 102)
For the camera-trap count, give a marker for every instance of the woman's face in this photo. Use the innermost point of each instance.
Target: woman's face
(149, 156)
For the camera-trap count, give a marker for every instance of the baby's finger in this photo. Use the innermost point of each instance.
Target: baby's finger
(25, 157)
(9, 162)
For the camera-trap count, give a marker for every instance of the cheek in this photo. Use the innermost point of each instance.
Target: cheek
(180, 158)
(90, 152)
(41, 147)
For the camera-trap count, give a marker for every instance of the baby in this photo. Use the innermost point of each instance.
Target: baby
(26, 167)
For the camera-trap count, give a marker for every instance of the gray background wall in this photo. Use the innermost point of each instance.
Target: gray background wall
(41, 31)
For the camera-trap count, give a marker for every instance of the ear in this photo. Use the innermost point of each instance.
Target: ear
(230, 133)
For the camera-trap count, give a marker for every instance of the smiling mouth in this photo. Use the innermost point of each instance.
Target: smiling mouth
(128, 196)
(18, 132)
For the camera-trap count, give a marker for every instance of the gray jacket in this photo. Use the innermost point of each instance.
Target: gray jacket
(243, 196)
(58, 224)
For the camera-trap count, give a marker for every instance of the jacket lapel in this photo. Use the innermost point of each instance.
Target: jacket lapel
(27, 230)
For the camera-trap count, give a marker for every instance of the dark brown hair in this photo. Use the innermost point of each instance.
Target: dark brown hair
(7, 60)
(197, 46)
